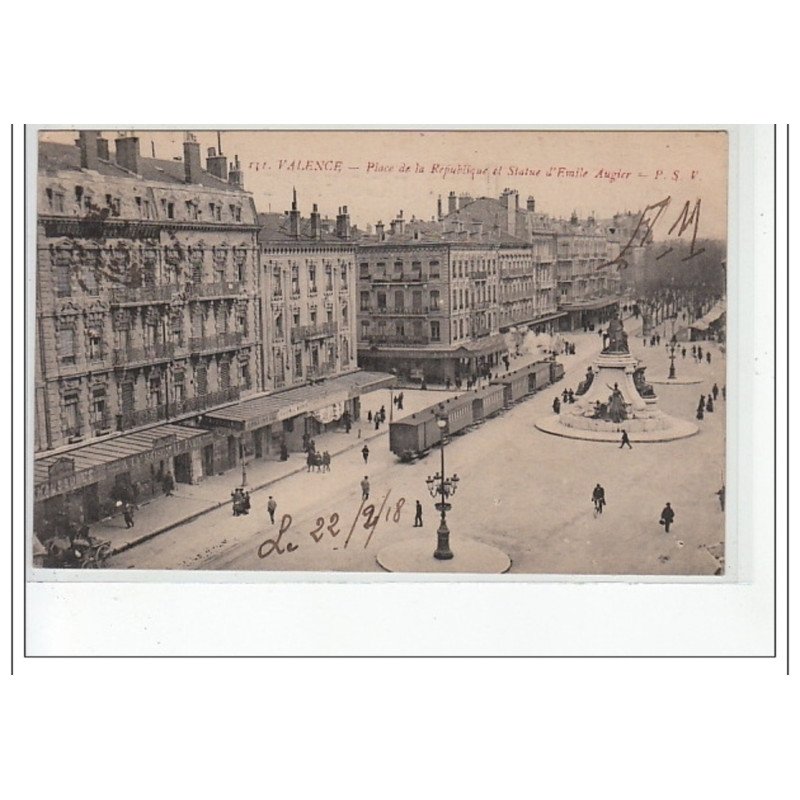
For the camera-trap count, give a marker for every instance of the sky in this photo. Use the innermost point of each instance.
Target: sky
(377, 173)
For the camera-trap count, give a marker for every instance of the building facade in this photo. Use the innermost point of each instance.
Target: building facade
(428, 302)
(147, 315)
(308, 335)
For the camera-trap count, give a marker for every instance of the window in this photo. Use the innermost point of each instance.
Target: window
(399, 301)
(177, 329)
(95, 340)
(66, 345)
(79, 197)
(113, 204)
(364, 328)
(380, 269)
(277, 285)
(434, 300)
(400, 329)
(298, 362)
(225, 375)
(295, 280)
(343, 283)
(312, 279)
(398, 267)
(279, 326)
(191, 210)
(126, 392)
(435, 331)
(155, 391)
(236, 213)
(201, 380)
(241, 321)
(382, 301)
(55, 200)
(363, 270)
(100, 420)
(72, 418)
(328, 278)
(365, 301)
(344, 316)
(244, 374)
(63, 280)
(295, 318)
(433, 269)
(330, 315)
(313, 317)
(215, 212)
(416, 267)
(178, 387)
(416, 301)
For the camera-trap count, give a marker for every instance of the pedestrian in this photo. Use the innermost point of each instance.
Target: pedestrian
(400, 401)
(721, 496)
(694, 351)
(128, 514)
(700, 412)
(365, 453)
(246, 502)
(683, 352)
(599, 499)
(309, 461)
(271, 508)
(168, 484)
(571, 396)
(625, 441)
(377, 421)
(702, 403)
(326, 461)
(723, 392)
(708, 357)
(699, 353)
(565, 396)
(710, 404)
(284, 452)
(418, 515)
(369, 415)
(658, 339)
(365, 488)
(667, 517)
(715, 391)
(556, 405)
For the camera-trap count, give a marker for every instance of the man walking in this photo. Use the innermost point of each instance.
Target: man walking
(365, 488)
(168, 484)
(599, 499)
(418, 515)
(667, 517)
(271, 508)
(715, 392)
(128, 514)
(365, 453)
(625, 441)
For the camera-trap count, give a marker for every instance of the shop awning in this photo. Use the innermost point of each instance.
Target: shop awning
(65, 472)
(252, 414)
(480, 347)
(591, 305)
(709, 318)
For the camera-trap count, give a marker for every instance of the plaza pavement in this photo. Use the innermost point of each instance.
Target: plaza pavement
(521, 490)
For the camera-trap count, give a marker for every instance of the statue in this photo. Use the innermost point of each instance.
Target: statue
(586, 384)
(617, 338)
(642, 386)
(616, 405)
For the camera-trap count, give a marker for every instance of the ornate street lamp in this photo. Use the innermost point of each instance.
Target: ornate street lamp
(439, 484)
(671, 347)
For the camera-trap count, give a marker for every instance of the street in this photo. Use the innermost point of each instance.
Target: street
(521, 490)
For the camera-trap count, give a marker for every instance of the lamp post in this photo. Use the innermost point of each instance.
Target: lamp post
(671, 346)
(439, 484)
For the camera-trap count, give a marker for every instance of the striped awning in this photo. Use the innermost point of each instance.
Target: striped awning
(257, 412)
(81, 466)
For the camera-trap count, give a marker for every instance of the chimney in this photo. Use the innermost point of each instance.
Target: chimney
(316, 231)
(452, 203)
(531, 204)
(192, 166)
(439, 214)
(128, 153)
(574, 218)
(217, 165)
(379, 230)
(343, 223)
(102, 149)
(464, 200)
(87, 141)
(393, 227)
(236, 176)
(294, 217)
(400, 223)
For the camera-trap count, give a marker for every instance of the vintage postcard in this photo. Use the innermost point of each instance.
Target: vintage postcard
(448, 352)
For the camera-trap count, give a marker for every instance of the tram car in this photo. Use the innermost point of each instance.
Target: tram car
(417, 433)
(556, 371)
(487, 402)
